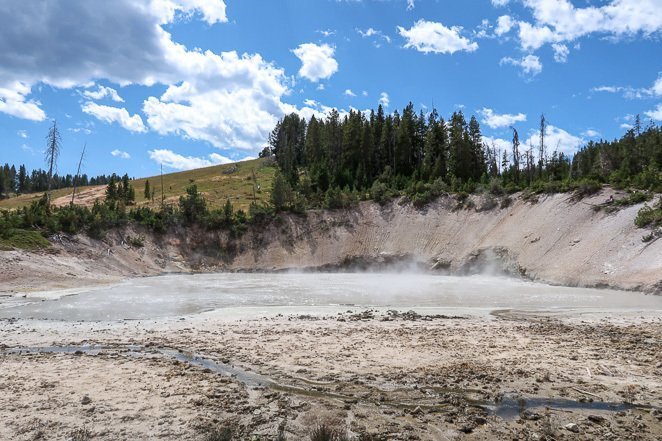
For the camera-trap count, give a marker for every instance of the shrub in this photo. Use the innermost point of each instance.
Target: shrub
(587, 187)
(495, 187)
(649, 216)
(325, 432)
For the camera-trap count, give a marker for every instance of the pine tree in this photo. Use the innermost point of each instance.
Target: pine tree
(148, 192)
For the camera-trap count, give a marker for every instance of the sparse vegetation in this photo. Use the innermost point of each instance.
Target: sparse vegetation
(80, 434)
(650, 216)
(326, 432)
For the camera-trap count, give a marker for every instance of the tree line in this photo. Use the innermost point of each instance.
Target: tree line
(410, 153)
(21, 181)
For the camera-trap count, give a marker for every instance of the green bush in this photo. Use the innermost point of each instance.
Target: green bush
(650, 216)
(23, 240)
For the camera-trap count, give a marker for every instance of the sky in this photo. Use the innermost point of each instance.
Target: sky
(192, 83)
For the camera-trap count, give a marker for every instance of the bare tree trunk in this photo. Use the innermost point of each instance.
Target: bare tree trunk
(77, 177)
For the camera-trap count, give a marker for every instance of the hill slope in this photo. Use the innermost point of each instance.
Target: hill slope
(217, 184)
(556, 240)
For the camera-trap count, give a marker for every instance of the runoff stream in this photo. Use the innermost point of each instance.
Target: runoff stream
(254, 295)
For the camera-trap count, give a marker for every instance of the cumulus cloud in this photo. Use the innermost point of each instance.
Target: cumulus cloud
(227, 99)
(530, 64)
(384, 99)
(348, 92)
(496, 121)
(109, 114)
(14, 102)
(656, 114)
(500, 2)
(590, 133)
(176, 161)
(103, 92)
(120, 154)
(429, 36)
(561, 52)
(504, 24)
(317, 62)
(498, 143)
(559, 21)
(556, 139)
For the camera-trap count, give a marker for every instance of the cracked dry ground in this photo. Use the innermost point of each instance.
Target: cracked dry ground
(392, 376)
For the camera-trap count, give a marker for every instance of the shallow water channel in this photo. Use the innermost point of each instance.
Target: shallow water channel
(241, 294)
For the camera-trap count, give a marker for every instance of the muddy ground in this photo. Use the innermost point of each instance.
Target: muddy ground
(372, 374)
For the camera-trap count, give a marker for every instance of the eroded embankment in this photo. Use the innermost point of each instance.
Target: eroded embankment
(556, 240)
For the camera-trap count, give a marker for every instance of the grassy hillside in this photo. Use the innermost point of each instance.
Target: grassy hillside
(217, 184)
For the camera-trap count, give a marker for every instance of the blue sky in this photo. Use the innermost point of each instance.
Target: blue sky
(190, 83)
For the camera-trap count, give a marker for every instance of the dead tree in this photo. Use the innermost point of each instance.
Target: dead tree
(77, 177)
(53, 142)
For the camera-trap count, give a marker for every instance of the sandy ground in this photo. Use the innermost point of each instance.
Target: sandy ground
(390, 376)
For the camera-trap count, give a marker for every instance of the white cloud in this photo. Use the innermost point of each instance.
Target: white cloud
(555, 139)
(504, 24)
(384, 99)
(364, 93)
(498, 143)
(561, 52)
(227, 99)
(410, 5)
(120, 154)
(559, 21)
(110, 115)
(428, 36)
(317, 62)
(657, 87)
(530, 64)
(371, 32)
(212, 11)
(327, 32)
(22, 133)
(496, 121)
(631, 93)
(348, 92)
(655, 115)
(13, 101)
(176, 161)
(590, 133)
(500, 2)
(103, 92)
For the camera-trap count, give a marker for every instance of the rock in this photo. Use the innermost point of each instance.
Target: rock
(86, 400)
(597, 419)
(480, 421)
(531, 416)
(572, 427)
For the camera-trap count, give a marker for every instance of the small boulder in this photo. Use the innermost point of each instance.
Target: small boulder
(572, 427)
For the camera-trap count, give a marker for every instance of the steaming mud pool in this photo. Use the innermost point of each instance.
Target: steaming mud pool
(375, 356)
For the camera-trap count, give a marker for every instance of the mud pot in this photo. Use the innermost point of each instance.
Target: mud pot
(376, 356)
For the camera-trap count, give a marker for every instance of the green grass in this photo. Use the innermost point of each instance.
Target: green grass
(23, 240)
(215, 183)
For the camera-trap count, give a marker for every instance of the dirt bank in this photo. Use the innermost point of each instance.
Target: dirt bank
(556, 240)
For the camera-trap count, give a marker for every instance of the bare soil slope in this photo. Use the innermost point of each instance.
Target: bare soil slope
(555, 240)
